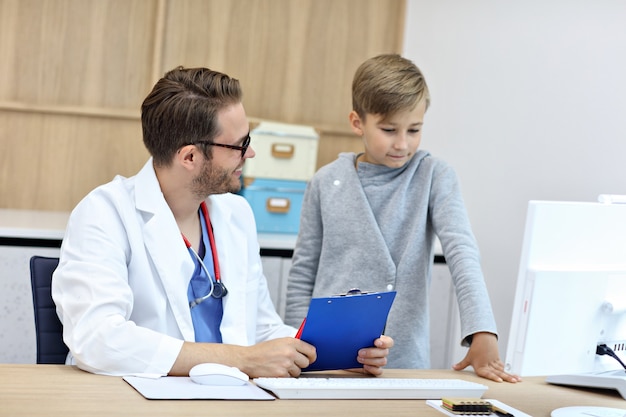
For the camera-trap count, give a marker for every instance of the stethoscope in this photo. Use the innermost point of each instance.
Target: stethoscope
(218, 289)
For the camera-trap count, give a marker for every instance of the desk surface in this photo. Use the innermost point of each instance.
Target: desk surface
(59, 390)
(33, 224)
(50, 225)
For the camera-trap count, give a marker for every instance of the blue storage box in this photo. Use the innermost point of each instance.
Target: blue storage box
(276, 203)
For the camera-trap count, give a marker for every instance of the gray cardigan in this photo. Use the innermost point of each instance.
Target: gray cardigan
(375, 229)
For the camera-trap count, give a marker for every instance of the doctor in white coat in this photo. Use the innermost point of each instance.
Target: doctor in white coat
(122, 288)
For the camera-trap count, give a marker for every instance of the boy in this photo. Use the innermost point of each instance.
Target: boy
(370, 220)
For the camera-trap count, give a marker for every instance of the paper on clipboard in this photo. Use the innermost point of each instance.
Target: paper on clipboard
(339, 326)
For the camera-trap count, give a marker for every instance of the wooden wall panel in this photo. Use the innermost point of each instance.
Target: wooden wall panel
(76, 52)
(74, 74)
(52, 161)
(332, 143)
(295, 59)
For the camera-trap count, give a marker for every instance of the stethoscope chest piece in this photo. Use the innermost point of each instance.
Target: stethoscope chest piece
(219, 290)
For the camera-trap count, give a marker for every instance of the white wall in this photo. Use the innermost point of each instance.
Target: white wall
(528, 102)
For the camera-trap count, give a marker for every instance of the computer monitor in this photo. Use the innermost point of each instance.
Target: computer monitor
(571, 289)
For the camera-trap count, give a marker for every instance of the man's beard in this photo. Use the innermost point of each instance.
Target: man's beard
(214, 180)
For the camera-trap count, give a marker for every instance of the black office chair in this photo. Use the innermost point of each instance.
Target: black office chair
(48, 327)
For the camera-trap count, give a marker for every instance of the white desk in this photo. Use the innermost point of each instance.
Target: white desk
(24, 233)
(32, 224)
(32, 227)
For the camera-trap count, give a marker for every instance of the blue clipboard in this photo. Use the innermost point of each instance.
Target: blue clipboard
(340, 325)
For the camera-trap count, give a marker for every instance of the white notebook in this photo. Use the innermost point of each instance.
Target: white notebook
(183, 388)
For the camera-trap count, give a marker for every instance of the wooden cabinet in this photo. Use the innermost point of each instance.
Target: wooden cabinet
(75, 72)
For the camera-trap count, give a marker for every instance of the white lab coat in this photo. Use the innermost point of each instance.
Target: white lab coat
(121, 285)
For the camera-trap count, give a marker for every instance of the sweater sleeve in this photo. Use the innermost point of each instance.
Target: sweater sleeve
(452, 226)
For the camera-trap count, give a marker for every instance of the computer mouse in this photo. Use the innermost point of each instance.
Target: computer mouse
(217, 374)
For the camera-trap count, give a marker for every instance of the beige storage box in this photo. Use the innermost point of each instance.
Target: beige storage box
(283, 151)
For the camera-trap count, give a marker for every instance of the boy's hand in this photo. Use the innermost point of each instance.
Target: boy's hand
(483, 356)
(374, 358)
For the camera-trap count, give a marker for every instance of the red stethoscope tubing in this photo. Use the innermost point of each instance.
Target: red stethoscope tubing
(216, 265)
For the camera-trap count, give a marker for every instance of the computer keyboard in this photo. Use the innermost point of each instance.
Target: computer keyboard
(369, 388)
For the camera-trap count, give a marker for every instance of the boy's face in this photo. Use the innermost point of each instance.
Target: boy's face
(390, 141)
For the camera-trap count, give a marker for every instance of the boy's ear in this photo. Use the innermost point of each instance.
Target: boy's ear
(356, 123)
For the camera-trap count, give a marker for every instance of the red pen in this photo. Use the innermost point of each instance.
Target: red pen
(300, 329)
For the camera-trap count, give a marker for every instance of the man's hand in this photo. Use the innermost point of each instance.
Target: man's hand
(483, 356)
(276, 358)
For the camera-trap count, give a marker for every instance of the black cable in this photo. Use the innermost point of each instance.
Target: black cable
(605, 350)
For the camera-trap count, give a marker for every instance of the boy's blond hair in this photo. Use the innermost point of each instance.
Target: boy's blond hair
(386, 84)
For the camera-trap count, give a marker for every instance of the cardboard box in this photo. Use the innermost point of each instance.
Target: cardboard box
(276, 204)
(283, 151)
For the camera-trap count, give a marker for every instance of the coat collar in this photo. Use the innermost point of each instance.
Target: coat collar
(173, 263)
(165, 246)
(231, 243)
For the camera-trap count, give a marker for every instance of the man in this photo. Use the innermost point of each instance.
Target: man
(161, 271)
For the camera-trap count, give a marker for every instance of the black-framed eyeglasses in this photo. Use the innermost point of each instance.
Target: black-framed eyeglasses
(243, 148)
